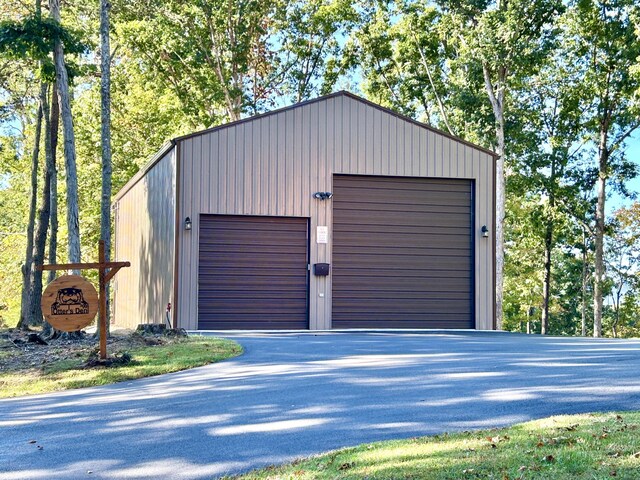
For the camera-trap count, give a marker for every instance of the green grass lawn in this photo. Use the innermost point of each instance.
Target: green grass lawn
(178, 354)
(590, 446)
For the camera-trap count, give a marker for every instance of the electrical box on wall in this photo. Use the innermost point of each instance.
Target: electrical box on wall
(321, 269)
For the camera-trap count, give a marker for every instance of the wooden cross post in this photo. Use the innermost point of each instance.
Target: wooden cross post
(104, 277)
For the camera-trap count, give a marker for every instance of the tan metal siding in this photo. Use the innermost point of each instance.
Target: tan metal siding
(289, 155)
(144, 235)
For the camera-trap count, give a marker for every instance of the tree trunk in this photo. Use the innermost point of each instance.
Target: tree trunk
(105, 137)
(585, 272)
(54, 123)
(53, 233)
(548, 250)
(496, 97)
(43, 215)
(25, 319)
(599, 232)
(62, 81)
(546, 287)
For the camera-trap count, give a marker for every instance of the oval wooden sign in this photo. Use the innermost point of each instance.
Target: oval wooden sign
(69, 303)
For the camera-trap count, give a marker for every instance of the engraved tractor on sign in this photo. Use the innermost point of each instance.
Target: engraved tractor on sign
(69, 302)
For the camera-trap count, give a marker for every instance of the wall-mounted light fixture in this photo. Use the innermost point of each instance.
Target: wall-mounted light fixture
(322, 195)
(485, 231)
(187, 223)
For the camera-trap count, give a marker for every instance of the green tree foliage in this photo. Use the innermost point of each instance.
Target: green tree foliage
(603, 46)
(214, 55)
(622, 283)
(539, 81)
(308, 44)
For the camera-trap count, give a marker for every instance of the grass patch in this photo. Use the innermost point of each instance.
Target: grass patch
(170, 356)
(590, 446)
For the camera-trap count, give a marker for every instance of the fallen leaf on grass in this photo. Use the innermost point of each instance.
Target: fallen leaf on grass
(549, 458)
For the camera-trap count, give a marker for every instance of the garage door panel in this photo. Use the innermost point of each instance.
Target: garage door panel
(392, 204)
(250, 290)
(369, 277)
(231, 308)
(252, 273)
(284, 240)
(240, 226)
(393, 249)
(436, 320)
(258, 260)
(371, 294)
(431, 235)
(402, 253)
(363, 217)
(399, 198)
(416, 183)
(404, 262)
(234, 248)
(250, 284)
(255, 272)
(390, 238)
(232, 322)
(391, 311)
(421, 283)
(383, 187)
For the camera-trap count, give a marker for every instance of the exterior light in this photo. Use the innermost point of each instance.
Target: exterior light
(322, 195)
(187, 223)
(485, 231)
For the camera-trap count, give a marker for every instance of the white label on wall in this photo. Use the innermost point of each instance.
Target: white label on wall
(322, 234)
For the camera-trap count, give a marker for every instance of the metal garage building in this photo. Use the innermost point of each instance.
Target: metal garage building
(235, 225)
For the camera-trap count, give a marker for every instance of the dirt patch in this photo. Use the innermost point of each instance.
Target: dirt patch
(21, 350)
(117, 360)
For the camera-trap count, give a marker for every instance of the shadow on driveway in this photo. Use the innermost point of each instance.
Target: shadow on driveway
(296, 394)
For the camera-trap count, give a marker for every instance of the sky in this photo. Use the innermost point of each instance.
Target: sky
(633, 154)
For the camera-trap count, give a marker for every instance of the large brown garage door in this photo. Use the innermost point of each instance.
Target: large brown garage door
(402, 253)
(252, 273)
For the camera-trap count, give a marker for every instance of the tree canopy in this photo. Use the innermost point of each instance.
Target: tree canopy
(553, 87)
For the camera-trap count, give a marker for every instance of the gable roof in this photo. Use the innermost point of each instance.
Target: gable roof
(327, 97)
(167, 147)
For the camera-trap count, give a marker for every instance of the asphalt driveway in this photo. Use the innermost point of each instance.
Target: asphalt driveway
(292, 395)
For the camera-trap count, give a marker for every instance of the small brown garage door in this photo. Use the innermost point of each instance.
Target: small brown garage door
(252, 273)
(402, 253)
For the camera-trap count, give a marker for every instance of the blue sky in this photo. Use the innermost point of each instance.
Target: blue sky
(633, 154)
